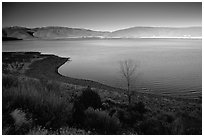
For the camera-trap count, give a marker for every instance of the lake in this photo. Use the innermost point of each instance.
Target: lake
(165, 66)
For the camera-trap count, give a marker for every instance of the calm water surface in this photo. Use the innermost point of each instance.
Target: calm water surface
(167, 66)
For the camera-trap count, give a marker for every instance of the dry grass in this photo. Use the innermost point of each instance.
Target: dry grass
(46, 104)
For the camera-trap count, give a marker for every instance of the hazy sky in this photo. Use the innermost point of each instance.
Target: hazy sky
(102, 16)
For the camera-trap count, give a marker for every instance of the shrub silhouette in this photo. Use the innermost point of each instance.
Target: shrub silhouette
(184, 124)
(153, 126)
(166, 117)
(101, 122)
(88, 98)
(132, 114)
(139, 107)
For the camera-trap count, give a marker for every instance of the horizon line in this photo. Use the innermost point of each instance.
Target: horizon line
(101, 30)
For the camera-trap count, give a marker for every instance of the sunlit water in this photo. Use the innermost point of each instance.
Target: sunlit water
(167, 66)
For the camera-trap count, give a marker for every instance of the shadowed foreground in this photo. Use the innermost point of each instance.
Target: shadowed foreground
(38, 100)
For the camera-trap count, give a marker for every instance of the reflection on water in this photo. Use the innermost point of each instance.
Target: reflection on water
(170, 66)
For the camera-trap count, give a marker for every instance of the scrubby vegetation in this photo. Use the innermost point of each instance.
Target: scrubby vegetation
(101, 122)
(47, 107)
(33, 106)
(88, 98)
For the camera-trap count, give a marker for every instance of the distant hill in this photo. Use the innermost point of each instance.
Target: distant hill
(65, 32)
(17, 33)
(157, 32)
(50, 33)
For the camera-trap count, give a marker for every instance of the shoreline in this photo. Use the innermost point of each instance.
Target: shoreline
(47, 68)
(95, 38)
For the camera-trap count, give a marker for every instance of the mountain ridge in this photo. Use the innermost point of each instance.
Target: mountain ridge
(58, 32)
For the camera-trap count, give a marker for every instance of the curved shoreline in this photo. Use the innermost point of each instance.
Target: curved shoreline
(47, 68)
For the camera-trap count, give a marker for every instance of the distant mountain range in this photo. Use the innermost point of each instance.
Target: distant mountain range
(158, 32)
(22, 33)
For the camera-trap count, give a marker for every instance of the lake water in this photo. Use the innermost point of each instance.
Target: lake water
(167, 66)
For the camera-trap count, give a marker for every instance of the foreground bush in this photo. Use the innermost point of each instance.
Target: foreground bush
(47, 107)
(19, 123)
(163, 123)
(185, 124)
(134, 113)
(88, 98)
(139, 107)
(168, 123)
(101, 122)
(153, 127)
